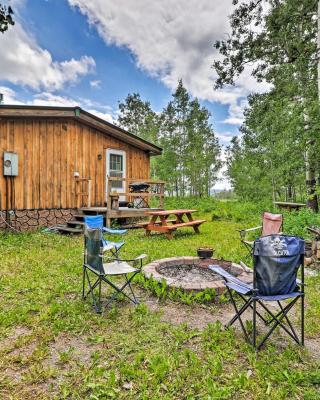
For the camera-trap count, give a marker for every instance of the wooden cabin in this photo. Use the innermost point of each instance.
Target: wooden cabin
(55, 160)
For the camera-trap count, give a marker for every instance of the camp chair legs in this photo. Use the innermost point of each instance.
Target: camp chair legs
(274, 321)
(249, 249)
(120, 290)
(96, 298)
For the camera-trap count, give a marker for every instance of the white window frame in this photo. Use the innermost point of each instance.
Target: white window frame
(124, 167)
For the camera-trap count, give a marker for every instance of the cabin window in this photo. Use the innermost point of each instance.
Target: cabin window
(116, 169)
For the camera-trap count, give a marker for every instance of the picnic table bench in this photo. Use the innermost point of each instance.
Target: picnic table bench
(160, 221)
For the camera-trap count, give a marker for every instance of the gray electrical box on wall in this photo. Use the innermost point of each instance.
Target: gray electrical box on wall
(10, 164)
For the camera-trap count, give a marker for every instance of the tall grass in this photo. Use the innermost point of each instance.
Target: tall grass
(247, 213)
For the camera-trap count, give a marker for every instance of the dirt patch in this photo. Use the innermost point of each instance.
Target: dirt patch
(195, 316)
(66, 348)
(24, 350)
(64, 351)
(15, 334)
(313, 346)
(198, 316)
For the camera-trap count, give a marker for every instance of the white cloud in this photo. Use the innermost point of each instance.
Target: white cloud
(225, 137)
(9, 96)
(104, 115)
(50, 99)
(172, 39)
(24, 62)
(95, 84)
(236, 112)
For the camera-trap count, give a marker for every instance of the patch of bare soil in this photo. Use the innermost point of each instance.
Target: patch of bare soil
(313, 346)
(63, 351)
(195, 316)
(17, 347)
(16, 334)
(66, 348)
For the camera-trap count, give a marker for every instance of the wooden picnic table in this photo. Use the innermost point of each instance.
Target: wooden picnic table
(160, 221)
(289, 205)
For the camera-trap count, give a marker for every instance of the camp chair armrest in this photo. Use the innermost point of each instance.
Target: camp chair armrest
(141, 257)
(250, 229)
(243, 232)
(114, 231)
(107, 247)
(134, 260)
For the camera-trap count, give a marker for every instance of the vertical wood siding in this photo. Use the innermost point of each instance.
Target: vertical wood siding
(50, 151)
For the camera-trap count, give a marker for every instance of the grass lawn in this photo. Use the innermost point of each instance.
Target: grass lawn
(53, 345)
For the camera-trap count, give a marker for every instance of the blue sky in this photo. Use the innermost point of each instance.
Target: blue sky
(93, 53)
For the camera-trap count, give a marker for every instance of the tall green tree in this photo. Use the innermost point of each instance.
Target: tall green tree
(202, 161)
(170, 141)
(191, 152)
(268, 162)
(280, 38)
(191, 157)
(137, 117)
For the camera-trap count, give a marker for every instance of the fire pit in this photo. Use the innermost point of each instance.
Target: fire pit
(192, 273)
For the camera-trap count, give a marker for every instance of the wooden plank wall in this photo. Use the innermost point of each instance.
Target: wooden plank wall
(50, 151)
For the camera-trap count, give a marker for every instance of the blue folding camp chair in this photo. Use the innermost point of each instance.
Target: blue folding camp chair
(96, 221)
(276, 261)
(95, 267)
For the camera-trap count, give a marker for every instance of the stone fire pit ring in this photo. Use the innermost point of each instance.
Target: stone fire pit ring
(192, 273)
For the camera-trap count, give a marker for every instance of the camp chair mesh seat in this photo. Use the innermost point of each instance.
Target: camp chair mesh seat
(95, 271)
(272, 224)
(276, 261)
(96, 221)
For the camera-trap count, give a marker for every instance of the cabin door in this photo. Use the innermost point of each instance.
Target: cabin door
(116, 168)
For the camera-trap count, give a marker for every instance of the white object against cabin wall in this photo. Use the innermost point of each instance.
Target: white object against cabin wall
(10, 164)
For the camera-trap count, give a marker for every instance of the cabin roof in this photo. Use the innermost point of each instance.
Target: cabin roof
(82, 116)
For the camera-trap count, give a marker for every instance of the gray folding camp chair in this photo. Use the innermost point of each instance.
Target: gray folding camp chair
(94, 267)
(276, 262)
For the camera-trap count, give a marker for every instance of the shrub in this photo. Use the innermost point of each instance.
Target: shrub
(241, 211)
(297, 222)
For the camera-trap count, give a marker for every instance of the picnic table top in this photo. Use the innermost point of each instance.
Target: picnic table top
(289, 204)
(169, 212)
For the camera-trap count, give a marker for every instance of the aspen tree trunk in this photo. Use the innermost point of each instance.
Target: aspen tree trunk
(311, 173)
(318, 50)
(312, 201)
